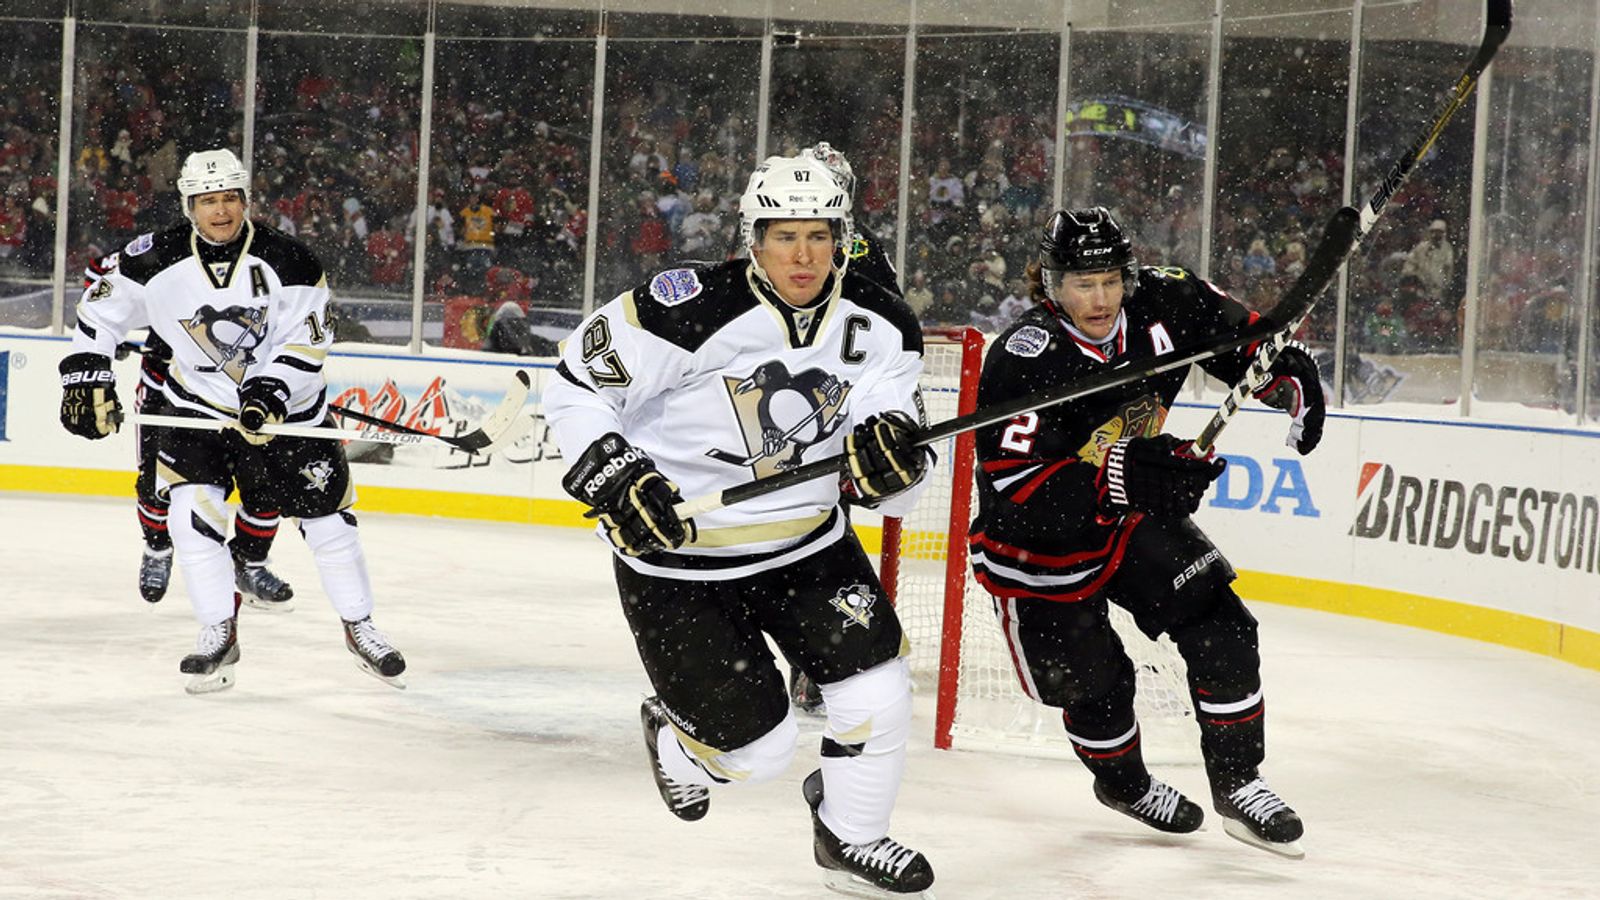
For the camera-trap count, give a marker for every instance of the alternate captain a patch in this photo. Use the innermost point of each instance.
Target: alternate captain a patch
(675, 286)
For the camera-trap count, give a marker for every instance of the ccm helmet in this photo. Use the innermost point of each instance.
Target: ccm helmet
(208, 171)
(1085, 240)
(794, 187)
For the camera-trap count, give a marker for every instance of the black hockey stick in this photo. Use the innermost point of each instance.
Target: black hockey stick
(1330, 253)
(502, 426)
(1497, 26)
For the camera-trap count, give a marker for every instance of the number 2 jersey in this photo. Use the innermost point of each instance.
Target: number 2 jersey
(255, 306)
(1040, 529)
(722, 382)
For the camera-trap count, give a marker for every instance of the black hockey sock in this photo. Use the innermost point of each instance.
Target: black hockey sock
(153, 522)
(1113, 755)
(1233, 736)
(252, 536)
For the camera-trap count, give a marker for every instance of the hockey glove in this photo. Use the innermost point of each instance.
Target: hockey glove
(89, 406)
(1155, 475)
(883, 460)
(620, 484)
(1294, 386)
(262, 402)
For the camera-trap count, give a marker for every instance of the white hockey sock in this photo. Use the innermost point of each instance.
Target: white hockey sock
(198, 522)
(763, 759)
(864, 750)
(342, 566)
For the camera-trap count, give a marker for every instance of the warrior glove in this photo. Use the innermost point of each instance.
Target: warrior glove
(620, 484)
(262, 402)
(1157, 476)
(1294, 386)
(89, 406)
(883, 458)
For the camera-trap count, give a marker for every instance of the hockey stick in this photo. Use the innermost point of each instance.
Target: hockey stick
(504, 425)
(1497, 26)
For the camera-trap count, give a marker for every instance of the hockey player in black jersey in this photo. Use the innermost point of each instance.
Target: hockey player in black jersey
(1088, 503)
(667, 386)
(244, 311)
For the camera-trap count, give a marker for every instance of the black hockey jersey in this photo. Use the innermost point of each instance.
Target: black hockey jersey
(1039, 530)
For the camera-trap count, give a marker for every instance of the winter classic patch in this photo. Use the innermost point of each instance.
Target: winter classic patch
(140, 244)
(1029, 340)
(674, 286)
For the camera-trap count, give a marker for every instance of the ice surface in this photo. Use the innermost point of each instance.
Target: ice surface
(1424, 766)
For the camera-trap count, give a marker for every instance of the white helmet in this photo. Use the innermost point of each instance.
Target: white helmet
(794, 187)
(208, 171)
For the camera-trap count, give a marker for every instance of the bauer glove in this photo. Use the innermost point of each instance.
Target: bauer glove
(262, 402)
(1294, 386)
(1157, 476)
(882, 457)
(89, 406)
(620, 484)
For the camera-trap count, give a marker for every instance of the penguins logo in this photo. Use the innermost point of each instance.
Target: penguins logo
(856, 603)
(228, 338)
(318, 473)
(781, 414)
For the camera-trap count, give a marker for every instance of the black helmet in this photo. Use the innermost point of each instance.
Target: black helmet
(1086, 240)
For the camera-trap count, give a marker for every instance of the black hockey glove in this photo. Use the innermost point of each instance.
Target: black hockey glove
(262, 402)
(882, 459)
(620, 484)
(1155, 475)
(89, 406)
(1295, 386)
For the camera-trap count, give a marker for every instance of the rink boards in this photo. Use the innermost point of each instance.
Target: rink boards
(1482, 530)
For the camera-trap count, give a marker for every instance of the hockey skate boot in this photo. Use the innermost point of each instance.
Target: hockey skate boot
(881, 868)
(805, 694)
(1252, 813)
(373, 652)
(155, 570)
(210, 666)
(260, 588)
(689, 802)
(1161, 806)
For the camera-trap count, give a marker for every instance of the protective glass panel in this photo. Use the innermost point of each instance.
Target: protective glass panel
(1408, 279)
(336, 165)
(509, 179)
(143, 98)
(982, 172)
(680, 134)
(29, 127)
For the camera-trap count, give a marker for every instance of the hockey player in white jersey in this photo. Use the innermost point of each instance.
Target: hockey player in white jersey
(711, 376)
(244, 308)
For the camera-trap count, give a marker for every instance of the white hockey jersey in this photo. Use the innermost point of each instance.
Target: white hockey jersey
(255, 306)
(722, 382)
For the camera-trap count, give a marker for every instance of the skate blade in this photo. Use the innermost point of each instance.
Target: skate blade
(219, 680)
(1242, 833)
(851, 886)
(254, 602)
(395, 681)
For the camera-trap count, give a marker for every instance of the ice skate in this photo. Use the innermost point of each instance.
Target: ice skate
(882, 868)
(1161, 806)
(1252, 813)
(689, 802)
(261, 589)
(804, 693)
(373, 652)
(210, 666)
(155, 570)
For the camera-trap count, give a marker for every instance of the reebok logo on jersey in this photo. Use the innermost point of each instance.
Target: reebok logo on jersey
(675, 286)
(1029, 341)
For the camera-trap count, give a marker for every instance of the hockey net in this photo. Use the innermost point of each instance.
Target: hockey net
(958, 647)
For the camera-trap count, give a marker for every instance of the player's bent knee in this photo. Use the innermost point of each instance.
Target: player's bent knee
(870, 712)
(763, 759)
(198, 519)
(332, 537)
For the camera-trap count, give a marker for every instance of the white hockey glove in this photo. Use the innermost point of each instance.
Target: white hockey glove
(883, 460)
(1295, 386)
(620, 484)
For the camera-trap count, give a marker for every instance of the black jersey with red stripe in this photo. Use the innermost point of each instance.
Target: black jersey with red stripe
(1040, 531)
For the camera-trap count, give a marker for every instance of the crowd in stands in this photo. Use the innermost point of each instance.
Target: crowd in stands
(336, 157)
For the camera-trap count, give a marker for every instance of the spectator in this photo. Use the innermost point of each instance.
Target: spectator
(1432, 261)
(477, 240)
(1384, 331)
(918, 295)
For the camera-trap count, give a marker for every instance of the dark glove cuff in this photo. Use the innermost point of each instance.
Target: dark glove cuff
(85, 370)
